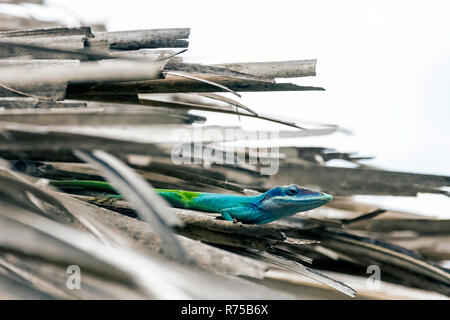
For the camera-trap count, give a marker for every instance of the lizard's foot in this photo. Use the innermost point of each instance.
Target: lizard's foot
(235, 220)
(105, 200)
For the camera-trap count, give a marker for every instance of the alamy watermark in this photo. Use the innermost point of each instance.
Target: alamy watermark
(373, 282)
(74, 280)
(203, 146)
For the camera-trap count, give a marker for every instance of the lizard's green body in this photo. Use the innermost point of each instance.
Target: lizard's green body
(274, 204)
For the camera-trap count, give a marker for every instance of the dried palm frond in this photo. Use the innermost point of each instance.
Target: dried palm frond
(81, 104)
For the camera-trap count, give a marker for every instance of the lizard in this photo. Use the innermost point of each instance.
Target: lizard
(274, 204)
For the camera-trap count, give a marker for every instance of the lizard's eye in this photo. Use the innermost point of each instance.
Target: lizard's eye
(292, 190)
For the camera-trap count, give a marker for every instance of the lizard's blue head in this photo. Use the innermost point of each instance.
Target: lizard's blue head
(287, 200)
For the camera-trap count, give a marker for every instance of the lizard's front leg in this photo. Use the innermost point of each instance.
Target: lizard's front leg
(243, 214)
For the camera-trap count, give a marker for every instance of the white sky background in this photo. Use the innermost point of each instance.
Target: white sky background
(385, 65)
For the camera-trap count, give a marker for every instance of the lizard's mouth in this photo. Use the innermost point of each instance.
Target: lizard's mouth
(323, 197)
(310, 201)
